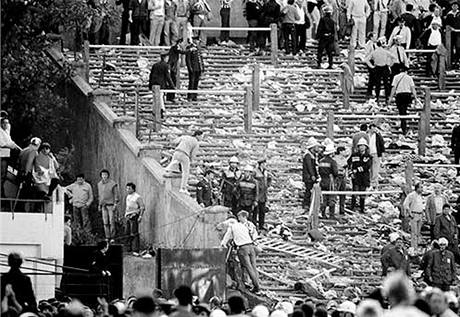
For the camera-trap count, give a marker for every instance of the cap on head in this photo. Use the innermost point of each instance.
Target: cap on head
(327, 9)
(443, 241)
(35, 141)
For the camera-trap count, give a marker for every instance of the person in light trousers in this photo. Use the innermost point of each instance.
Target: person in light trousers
(414, 208)
(380, 17)
(358, 11)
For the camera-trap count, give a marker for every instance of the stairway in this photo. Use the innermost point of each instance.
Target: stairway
(279, 132)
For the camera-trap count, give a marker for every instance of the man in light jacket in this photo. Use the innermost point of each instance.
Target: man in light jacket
(434, 204)
(358, 10)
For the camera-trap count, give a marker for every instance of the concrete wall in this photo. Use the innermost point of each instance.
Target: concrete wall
(140, 276)
(104, 140)
(39, 236)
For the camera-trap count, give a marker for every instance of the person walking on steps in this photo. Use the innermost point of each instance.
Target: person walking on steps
(328, 172)
(185, 152)
(326, 36)
(360, 163)
(195, 66)
(446, 227)
(309, 170)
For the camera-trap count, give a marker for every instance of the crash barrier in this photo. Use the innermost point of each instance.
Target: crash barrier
(158, 103)
(256, 81)
(442, 67)
(273, 29)
(449, 31)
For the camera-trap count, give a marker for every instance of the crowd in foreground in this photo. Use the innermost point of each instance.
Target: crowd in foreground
(396, 298)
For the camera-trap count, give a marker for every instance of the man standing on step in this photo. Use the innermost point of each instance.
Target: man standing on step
(81, 196)
(414, 208)
(195, 66)
(174, 66)
(264, 180)
(204, 191)
(440, 271)
(328, 173)
(381, 59)
(244, 234)
(326, 36)
(376, 149)
(157, 20)
(455, 144)
(160, 75)
(309, 170)
(230, 178)
(138, 17)
(124, 20)
(396, 257)
(341, 158)
(357, 12)
(446, 227)
(134, 211)
(186, 151)
(360, 163)
(247, 192)
(107, 191)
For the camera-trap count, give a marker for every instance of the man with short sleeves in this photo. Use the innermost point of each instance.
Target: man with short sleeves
(81, 197)
(358, 10)
(414, 208)
(134, 211)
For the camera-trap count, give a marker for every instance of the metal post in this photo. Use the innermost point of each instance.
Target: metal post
(351, 58)
(157, 106)
(449, 46)
(136, 112)
(422, 134)
(274, 42)
(330, 125)
(248, 110)
(346, 93)
(101, 78)
(427, 110)
(256, 86)
(124, 103)
(409, 174)
(86, 59)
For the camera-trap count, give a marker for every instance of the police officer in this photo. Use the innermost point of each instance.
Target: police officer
(360, 163)
(326, 36)
(248, 191)
(328, 172)
(309, 170)
(230, 178)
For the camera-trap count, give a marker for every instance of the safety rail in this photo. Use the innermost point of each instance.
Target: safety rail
(32, 206)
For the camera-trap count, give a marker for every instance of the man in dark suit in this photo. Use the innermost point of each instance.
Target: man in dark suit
(195, 66)
(160, 75)
(412, 23)
(455, 143)
(310, 170)
(124, 20)
(446, 227)
(204, 193)
(174, 65)
(20, 283)
(326, 35)
(138, 17)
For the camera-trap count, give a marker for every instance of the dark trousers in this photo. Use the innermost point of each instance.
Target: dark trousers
(341, 183)
(139, 26)
(80, 216)
(307, 196)
(132, 232)
(301, 32)
(457, 155)
(453, 247)
(193, 80)
(101, 36)
(429, 71)
(443, 287)
(403, 101)
(328, 201)
(371, 83)
(290, 37)
(382, 76)
(174, 74)
(252, 35)
(225, 23)
(358, 187)
(328, 46)
(230, 201)
(259, 214)
(124, 27)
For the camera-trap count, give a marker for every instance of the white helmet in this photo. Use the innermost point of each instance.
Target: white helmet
(234, 159)
(362, 141)
(248, 168)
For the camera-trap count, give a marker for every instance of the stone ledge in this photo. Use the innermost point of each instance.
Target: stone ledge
(151, 150)
(103, 95)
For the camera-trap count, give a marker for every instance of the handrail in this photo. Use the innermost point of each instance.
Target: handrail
(304, 70)
(204, 91)
(219, 28)
(377, 192)
(414, 51)
(130, 47)
(363, 116)
(27, 200)
(445, 94)
(435, 165)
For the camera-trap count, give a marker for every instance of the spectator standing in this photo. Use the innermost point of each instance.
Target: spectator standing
(341, 158)
(81, 197)
(264, 180)
(225, 8)
(134, 211)
(397, 258)
(309, 170)
(26, 162)
(200, 12)
(301, 25)
(446, 227)
(289, 17)
(370, 47)
(455, 143)
(404, 88)
(184, 297)
(67, 230)
(185, 152)
(360, 164)
(328, 172)
(441, 271)
(108, 194)
(403, 31)
(253, 11)
(453, 20)
(16, 281)
(138, 15)
(426, 258)
(170, 31)
(430, 40)
(195, 66)
(381, 59)
(248, 192)
(157, 20)
(124, 20)
(400, 59)
(160, 74)
(183, 16)
(358, 11)
(380, 17)
(393, 237)
(230, 178)
(174, 66)
(204, 192)
(434, 205)
(44, 172)
(271, 13)
(5, 138)
(376, 150)
(413, 23)
(243, 233)
(414, 207)
(326, 36)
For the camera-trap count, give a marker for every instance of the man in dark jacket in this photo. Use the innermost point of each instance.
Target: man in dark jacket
(328, 171)
(253, 11)
(26, 161)
(230, 178)
(160, 75)
(174, 65)
(124, 20)
(309, 171)
(376, 150)
(195, 66)
(446, 227)
(360, 164)
(412, 23)
(248, 191)
(455, 143)
(271, 12)
(204, 192)
(453, 20)
(20, 283)
(426, 258)
(138, 17)
(264, 180)
(440, 271)
(396, 257)
(326, 35)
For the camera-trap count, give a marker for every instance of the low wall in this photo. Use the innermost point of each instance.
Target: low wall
(104, 140)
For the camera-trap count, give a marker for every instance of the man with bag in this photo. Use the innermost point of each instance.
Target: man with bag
(243, 234)
(404, 88)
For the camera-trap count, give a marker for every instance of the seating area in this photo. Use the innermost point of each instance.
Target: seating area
(293, 107)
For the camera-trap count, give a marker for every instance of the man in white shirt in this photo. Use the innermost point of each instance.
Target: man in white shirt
(414, 209)
(380, 17)
(403, 31)
(358, 10)
(244, 234)
(157, 20)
